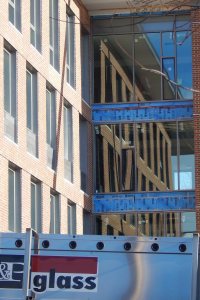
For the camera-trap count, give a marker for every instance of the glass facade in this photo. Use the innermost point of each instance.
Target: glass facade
(136, 157)
(142, 60)
(147, 224)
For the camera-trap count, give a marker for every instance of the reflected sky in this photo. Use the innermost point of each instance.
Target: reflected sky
(152, 63)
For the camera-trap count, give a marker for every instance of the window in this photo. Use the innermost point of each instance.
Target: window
(122, 166)
(68, 143)
(36, 206)
(70, 59)
(83, 153)
(71, 217)
(54, 33)
(188, 223)
(51, 127)
(10, 95)
(154, 62)
(14, 200)
(14, 11)
(87, 222)
(85, 69)
(54, 213)
(31, 111)
(35, 30)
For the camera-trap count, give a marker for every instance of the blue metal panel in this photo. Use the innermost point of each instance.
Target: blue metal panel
(147, 202)
(142, 111)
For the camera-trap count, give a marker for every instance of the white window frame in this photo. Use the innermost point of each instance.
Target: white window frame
(54, 34)
(14, 201)
(54, 213)
(36, 206)
(70, 48)
(35, 26)
(16, 6)
(71, 217)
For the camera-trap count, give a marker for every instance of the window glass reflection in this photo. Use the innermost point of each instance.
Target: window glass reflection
(128, 157)
(154, 62)
(184, 64)
(188, 223)
(147, 58)
(186, 140)
(145, 157)
(108, 152)
(113, 68)
(147, 224)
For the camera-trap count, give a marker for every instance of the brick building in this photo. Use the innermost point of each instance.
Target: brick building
(45, 127)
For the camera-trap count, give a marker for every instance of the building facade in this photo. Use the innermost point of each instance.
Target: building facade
(45, 127)
(145, 112)
(100, 116)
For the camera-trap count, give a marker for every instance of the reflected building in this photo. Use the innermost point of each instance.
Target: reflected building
(146, 61)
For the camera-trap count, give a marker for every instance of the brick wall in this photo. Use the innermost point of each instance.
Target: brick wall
(17, 153)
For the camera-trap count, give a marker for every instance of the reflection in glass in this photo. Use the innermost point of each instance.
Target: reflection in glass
(147, 224)
(108, 154)
(186, 140)
(151, 224)
(113, 68)
(160, 69)
(173, 224)
(184, 64)
(147, 57)
(128, 158)
(145, 157)
(188, 223)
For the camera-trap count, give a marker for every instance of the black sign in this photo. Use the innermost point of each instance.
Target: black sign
(11, 271)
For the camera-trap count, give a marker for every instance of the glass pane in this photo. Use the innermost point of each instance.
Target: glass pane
(169, 86)
(128, 158)
(11, 197)
(187, 164)
(48, 116)
(52, 214)
(156, 152)
(154, 24)
(33, 205)
(113, 68)
(151, 224)
(113, 25)
(7, 83)
(117, 224)
(168, 44)
(184, 64)
(33, 37)
(32, 12)
(11, 14)
(188, 223)
(108, 156)
(147, 66)
(18, 14)
(172, 224)
(57, 215)
(29, 100)
(169, 159)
